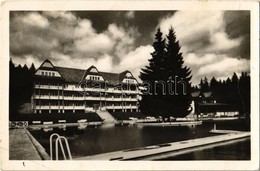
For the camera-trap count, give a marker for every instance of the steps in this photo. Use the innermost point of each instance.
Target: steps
(106, 116)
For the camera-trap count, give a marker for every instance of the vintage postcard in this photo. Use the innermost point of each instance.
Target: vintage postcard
(129, 85)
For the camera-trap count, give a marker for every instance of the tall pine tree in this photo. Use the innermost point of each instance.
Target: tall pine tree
(167, 79)
(151, 103)
(178, 105)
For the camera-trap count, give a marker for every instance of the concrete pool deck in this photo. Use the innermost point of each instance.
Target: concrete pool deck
(175, 148)
(23, 146)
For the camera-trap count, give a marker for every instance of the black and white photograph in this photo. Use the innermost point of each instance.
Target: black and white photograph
(109, 85)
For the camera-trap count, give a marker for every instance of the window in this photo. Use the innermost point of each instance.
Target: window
(49, 73)
(53, 74)
(42, 73)
(46, 73)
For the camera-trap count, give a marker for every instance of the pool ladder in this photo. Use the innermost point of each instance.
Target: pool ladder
(59, 141)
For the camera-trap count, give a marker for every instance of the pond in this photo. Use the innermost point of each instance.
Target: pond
(108, 138)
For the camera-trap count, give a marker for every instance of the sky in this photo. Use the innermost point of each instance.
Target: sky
(213, 43)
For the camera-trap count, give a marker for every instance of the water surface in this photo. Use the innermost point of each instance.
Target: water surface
(108, 138)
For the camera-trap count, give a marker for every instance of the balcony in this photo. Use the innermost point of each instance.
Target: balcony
(130, 99)
(121, 107)
(121, 99)
(73, 88)
(73, 98)
(130, 107)
(48, 87)
(95, 89)
(111, 90)
(89, 109)
(130, 91)
(47, 97)
(74, 107)
(114, 107)
(113, 99)
(55, 107)
(94, 98)
(47, 107)
(40, 107)
(79, 107)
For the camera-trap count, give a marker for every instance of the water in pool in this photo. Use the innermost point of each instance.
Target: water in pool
(108, 138)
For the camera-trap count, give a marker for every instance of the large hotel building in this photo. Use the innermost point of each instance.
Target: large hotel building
(70, 90)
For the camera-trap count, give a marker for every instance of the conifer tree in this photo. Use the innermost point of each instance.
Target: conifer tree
(151, 103)
(169, 81)
(179, 105)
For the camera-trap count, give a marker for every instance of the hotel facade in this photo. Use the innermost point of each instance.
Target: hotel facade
(69, 90)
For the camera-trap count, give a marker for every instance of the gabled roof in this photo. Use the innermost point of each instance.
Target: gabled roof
(122, 75)
(71, 74)
(110, 77)
(87, 72)
(77, 75)
(42, 67)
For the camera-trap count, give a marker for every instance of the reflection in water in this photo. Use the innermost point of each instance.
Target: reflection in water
(108, 138)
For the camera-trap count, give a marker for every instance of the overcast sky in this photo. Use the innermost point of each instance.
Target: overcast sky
(213, 43)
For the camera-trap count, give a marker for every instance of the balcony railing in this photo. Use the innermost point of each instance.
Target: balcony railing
(69, 88)
(121, 99)
(48, 87)
(74, 107)
(114, 107)
(111, 90)
(130, 107)
(73, 98)
(129, 99)
(113, 99)
(121, 107)
(94, 98)
(52, 107)
(91, 89)
(47, 97)
(79, 107)
(94, 89)
(48, 107)
(130, 92)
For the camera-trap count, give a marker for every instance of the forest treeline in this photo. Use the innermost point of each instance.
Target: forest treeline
(20, 86)
(234, 90)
